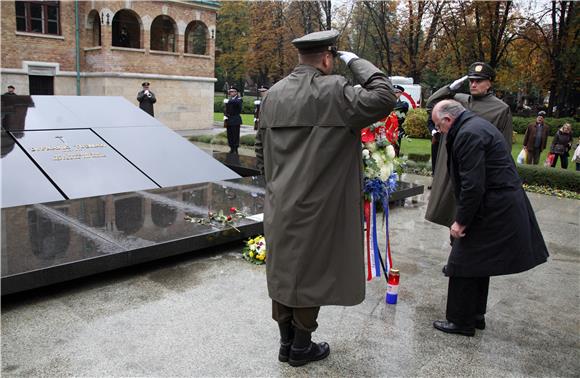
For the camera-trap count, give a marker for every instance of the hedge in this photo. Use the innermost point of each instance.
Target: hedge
(550, 177)
(247, 104)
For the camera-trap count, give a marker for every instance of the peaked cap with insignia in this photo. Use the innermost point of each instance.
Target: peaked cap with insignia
(317, 42)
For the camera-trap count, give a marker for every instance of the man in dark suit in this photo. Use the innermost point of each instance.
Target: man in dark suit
(233, 119)
(494, 231)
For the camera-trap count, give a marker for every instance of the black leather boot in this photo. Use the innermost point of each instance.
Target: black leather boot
(286, 338)
(303, 350)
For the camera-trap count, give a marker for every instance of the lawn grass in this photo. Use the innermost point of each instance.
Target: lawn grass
(247, 119)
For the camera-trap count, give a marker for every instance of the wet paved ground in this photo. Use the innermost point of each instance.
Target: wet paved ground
(209, 315)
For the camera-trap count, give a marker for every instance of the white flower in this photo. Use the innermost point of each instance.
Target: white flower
(366, 153)
(252, 247)
(385, 173)
(390, 151)
(372, 147)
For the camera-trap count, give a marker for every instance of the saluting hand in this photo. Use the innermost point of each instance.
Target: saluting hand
(347, 56)
(457, 83)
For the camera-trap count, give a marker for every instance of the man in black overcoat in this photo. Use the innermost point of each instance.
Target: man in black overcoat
(495, 231)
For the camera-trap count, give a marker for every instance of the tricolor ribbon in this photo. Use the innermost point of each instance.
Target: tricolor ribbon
(377, 190)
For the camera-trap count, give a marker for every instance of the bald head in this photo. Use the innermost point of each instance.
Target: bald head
(445, 113)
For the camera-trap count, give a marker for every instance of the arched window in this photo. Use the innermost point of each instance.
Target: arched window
(126, 29)
(94, 23)
(196, 36)
(163, 34)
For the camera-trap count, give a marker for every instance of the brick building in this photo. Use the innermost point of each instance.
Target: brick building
(119, 45)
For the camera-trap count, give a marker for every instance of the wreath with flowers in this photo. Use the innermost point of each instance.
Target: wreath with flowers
(255, 250)
(381, 173)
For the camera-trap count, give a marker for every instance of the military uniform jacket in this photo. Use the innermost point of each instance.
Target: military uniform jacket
(502, 235)
(441, 206)
(146, 102)
(233, 111)
(309, 148)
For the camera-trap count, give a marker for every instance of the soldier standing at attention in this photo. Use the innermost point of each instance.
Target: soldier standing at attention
(308, 146)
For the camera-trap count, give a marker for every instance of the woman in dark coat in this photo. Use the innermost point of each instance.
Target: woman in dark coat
(561, 144)
(495, 231)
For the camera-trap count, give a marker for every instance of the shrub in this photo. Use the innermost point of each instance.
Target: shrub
(248, 140)
(415, 125)
(247, 104)
(550, 177)
(419, 157)
(521, 123)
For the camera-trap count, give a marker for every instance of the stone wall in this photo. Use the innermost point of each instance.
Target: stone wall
(183, 83)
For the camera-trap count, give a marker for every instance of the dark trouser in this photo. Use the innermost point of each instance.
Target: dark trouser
(233, 136)
(466, 298)
(533, 156)
(303, 319)
(434, 150)
(578, 166)
(563, 160)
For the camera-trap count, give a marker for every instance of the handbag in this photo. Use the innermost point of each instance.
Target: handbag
(549, 160)
(559, 149)
(522, 157)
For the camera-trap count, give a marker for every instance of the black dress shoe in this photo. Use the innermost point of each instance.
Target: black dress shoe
(313, 352)
(284, 352)
(480, 321)
(449, 327)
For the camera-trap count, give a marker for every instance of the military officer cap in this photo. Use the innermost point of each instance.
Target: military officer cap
(481, 70)
(317, 42)
(145, 83)
(263, 88)
(541, 113)
(398, 88)
(232, 88)
(11, 86)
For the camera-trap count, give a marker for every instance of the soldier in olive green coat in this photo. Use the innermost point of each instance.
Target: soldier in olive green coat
(308, 146)
(481, 101)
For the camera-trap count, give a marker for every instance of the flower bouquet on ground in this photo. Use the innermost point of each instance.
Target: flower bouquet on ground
(255, 250)
(381, 169)
(219, 218)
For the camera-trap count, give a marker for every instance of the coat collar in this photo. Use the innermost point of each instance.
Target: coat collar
(466, 115)
(306, 68)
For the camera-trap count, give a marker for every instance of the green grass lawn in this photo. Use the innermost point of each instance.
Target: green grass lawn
(423, 146)
(247, 119)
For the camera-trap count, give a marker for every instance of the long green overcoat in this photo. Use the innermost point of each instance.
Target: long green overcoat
(308, 146)
(441, 206)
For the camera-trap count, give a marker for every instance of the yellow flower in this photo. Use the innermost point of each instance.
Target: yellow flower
(251, 241)
(251, 254)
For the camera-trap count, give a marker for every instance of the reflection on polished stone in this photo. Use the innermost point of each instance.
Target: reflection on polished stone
(54, 242)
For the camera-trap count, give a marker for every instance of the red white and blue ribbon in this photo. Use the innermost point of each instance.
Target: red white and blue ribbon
(377, 190)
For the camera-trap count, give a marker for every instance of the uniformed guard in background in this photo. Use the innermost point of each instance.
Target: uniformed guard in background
(481, 101)
(233, 119)
(308, 146)
(261, 93)
(146, 99)
(401, 109)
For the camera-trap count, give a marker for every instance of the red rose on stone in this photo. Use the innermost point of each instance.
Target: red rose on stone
(233, 210)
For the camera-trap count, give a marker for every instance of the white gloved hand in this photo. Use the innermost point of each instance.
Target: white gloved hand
(347, 56)
(457, 83)
(433, 132)
(225, 118)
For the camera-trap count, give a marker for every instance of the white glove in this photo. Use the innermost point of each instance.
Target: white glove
(347, 56)
(225, 117)
(226, 100)
(433, 132)
(457, 83)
